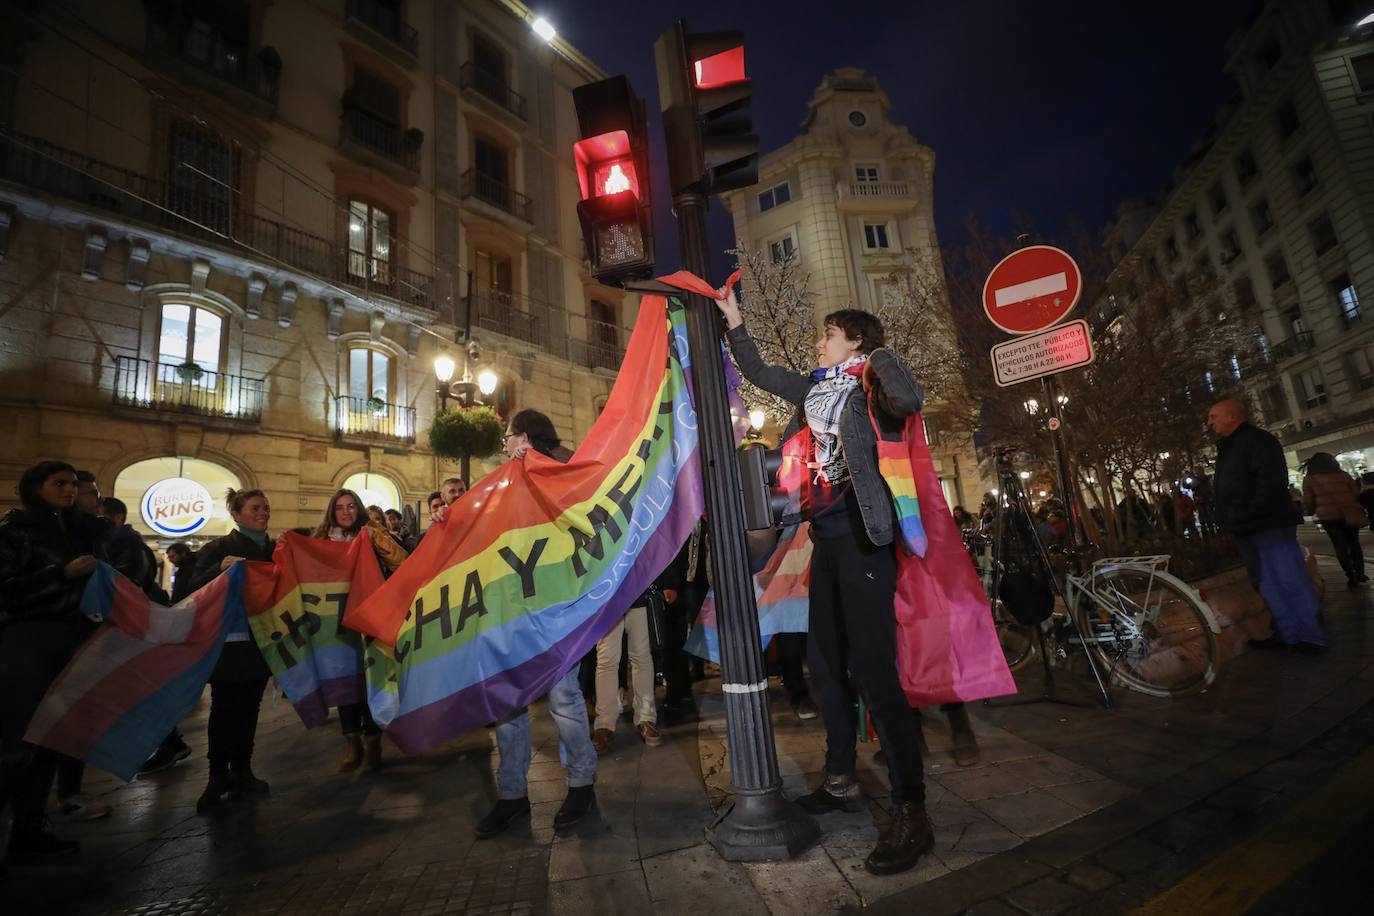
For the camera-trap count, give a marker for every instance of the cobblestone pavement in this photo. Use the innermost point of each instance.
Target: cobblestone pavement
(1070, 808)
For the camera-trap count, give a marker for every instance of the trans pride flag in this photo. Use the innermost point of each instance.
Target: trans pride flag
(295, 607)
(540, 559)
(139, 674)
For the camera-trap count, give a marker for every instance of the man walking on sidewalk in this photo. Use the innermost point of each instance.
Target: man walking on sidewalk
(1253, 506)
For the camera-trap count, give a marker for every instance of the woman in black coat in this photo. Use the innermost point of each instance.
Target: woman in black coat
(237, 683)
(47, 552)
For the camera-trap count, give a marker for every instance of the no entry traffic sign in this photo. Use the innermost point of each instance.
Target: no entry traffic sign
(1032, 289)
(1047, 353)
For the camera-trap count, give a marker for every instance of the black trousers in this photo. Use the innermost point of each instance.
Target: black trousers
(32, 655)
(1345, 539)
(791, 654)
(853, 646)
(236, 688)
(356, 719)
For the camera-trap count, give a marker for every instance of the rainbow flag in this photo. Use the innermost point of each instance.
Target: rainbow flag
(781, 590)
(139, 674)
(540, 559)
(295, 607)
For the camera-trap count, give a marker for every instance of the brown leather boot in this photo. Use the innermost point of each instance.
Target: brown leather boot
(372, 753)
(352, 756)
(905, 840)
(836, 793)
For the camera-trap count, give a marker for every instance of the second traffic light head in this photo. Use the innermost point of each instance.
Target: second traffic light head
(613, 177)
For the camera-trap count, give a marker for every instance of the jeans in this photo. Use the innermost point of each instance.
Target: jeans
(635, 625)
(1345, 540)
(569, 711)
(356, 719)
(1278, 571)
(235, 698)
(853, 644)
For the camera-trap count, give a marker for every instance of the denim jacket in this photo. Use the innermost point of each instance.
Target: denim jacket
(896, 396)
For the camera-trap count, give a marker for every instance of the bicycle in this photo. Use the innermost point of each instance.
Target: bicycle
(1149, 629)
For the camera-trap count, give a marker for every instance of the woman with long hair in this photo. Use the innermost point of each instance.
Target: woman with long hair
(47, 551)
(345, 519)
(1332, 496)
(237, 683)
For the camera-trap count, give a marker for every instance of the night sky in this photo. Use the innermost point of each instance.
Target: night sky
(1055, 110)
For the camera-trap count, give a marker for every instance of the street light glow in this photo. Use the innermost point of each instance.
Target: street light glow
(543, 28)
(1367, 20)
(443, 367)
(486, 382)
(757, 418)
(1032, 406)
(1025, 475)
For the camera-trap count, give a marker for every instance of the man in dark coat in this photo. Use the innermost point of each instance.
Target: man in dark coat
(1251, 502)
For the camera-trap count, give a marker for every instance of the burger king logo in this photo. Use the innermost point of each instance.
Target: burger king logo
(176, 507)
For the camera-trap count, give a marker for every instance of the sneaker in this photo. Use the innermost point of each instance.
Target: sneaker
(40, 846)
(505, 813)
(805, 709)
(165, 757)
(603, 739)
(75, 808)
(835, 793)
(649, 732)
(580, 801)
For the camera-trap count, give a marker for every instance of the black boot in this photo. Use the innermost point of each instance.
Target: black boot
(905, 840)
(966, 752)
(214, 793)
(506, 812)
(243, 783)
(836, 793)
(580, 801)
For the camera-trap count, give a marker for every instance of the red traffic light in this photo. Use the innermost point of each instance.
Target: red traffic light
(719, 69)
(606, 165)
(613, 176)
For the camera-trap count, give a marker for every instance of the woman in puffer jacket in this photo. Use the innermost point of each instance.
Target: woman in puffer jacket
(345, 519)
(1332, 496)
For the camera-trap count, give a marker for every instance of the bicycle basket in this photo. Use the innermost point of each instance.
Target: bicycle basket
(1027, 596)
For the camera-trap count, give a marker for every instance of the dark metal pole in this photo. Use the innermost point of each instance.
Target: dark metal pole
(1061, 456)
(761, 824)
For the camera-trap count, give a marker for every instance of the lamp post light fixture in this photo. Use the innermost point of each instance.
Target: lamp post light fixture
(463, 389)
(1063, 400)
(1032, 406)
(1025, 475)
(487, 382)
(757, 418)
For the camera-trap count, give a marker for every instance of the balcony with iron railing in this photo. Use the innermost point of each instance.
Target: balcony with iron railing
(519, 318)
(491, 87)
(1294, 346)
(372, 20)
(187, 388)
(205, 211)
(599, 347)
(506, 200)
(249, 77)
(378, 142)
(373, 419)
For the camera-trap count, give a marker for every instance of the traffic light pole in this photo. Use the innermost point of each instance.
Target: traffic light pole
(762, 824)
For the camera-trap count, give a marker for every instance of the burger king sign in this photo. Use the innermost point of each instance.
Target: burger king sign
(176, 506)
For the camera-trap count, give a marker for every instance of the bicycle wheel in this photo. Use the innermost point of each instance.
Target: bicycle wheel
(1018, 640)
(1149, 631)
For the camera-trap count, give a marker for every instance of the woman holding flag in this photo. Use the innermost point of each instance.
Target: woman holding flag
(240, 675)
(858, 388)
(344, 521)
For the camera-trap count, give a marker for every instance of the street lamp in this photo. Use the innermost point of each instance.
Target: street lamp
(443, 368)
(486, 382)
(1032, 406)
(1025, 475)
(757, 418)
(1063, 400)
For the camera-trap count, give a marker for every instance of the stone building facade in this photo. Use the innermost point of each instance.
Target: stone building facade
(851, 198)
(235, 237)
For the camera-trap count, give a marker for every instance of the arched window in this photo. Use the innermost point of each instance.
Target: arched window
(191, 335)
(177, 498)
(371, 374)
(374, 490)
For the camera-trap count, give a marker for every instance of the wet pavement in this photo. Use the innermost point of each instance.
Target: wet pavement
(1071, 808)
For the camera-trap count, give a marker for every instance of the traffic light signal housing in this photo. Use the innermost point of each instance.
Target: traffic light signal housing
(613, 176)
(763, 504)
(707, 102)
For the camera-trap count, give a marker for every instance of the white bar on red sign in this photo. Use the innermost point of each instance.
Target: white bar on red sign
(1031, 289)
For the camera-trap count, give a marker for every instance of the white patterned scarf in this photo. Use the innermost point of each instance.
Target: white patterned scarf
(824, 402)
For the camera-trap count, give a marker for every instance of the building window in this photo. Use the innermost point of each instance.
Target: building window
(781, 249)
(1347, 300)
(491, 162)
(203, 175)
(1246, 169)
(191, 335)
(1235, 366)
(1360, 368)
(1277, 267)
(1191, 225)
(492, 276)
(370, 375)
(775, 196)
(1262, 217)
(865, 173)
(1286, 120)
(875, 235)
(1363, 67)
(1304, 175)
(604, 337)
(369, 243)
(1244, 290)
(1216, 198)
(1312, 387)
(1274, 402)
(489, 68)
(1323, 234)
(1230, 247)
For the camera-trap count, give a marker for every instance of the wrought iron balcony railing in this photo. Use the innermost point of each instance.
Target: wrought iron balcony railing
(386, 21)
(187, 387)
(372, 418)
(494, 192)
(382, 137)
(257, 73)
(493, 87)
(1298, 344)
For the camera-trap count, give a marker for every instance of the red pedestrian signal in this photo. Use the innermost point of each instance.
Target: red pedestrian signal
(707, 100)
(613, 176)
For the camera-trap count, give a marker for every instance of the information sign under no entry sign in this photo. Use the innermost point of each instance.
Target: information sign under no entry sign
(1068, 346)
